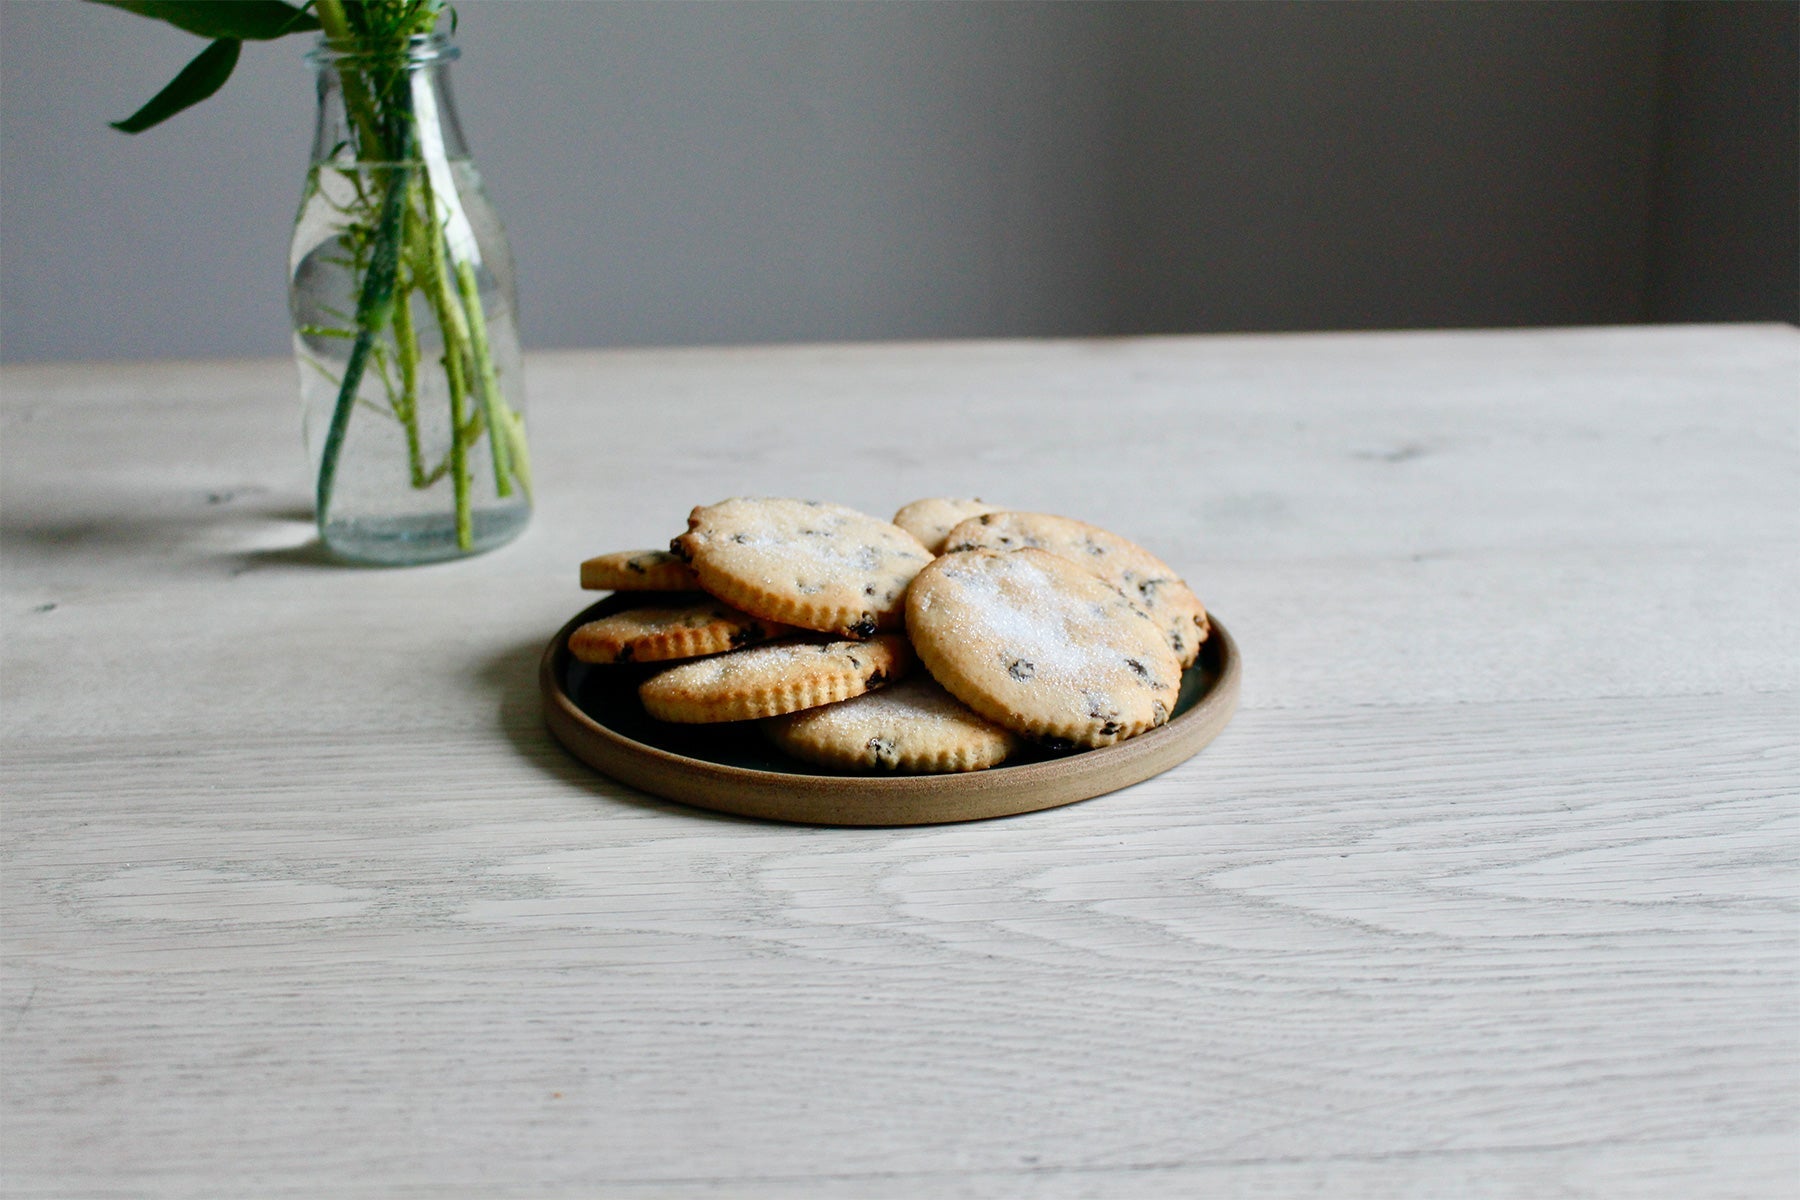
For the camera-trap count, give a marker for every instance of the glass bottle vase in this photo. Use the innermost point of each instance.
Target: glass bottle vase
(401, 292)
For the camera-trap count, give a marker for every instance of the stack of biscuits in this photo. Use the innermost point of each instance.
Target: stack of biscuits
(815, 620)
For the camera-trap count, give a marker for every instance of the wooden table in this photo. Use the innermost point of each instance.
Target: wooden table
(1489, 889)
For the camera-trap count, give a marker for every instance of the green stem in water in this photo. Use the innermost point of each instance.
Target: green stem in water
(518, 454)
(455, 331)
(459, 465)
(491, 400)
(374, 309)
(406, 342)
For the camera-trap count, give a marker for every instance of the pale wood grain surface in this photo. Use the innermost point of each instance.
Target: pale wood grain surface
(1489, 888)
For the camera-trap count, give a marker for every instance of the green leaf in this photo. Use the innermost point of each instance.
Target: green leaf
(198, 80)
(245, 20)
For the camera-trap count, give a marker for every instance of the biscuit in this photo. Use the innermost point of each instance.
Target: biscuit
(914, 727)
(929, 520)
(657, 632)
(766, 681)
(637, 571)
(1146, 580)
(1036, 644)
(817, 566)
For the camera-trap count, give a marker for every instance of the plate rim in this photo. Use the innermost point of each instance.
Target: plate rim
(881, 800)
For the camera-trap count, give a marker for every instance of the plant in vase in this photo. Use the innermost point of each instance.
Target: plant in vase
(400, 281)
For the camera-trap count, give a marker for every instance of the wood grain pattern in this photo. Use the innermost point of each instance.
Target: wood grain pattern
(1488, 889)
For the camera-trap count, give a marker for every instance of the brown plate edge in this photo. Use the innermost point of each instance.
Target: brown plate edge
(857, 800)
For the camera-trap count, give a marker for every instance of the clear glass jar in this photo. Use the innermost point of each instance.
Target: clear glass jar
(401, 291)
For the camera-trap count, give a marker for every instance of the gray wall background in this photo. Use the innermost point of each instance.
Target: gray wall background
(678, 173)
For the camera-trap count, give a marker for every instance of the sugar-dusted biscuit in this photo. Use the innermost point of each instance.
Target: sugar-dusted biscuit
(657, 632)
(932, 518)
(1036, 644)
(1146, 580)
(766, 681)
(818, 566)
(637, 571)
(914, 727)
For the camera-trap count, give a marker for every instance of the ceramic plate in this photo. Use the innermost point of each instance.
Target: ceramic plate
(594, 712)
